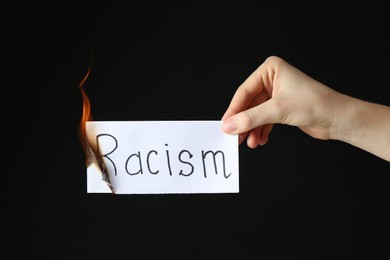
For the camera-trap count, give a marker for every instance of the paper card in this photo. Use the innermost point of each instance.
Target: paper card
(151, 157)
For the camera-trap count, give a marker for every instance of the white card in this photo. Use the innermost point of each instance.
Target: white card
(152, 157)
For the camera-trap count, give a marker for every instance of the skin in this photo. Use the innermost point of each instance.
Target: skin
(279, 93)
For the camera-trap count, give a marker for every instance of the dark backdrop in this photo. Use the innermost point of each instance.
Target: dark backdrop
(299, 197)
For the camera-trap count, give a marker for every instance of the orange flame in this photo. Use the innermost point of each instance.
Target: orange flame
(87, 116)
(90, 152)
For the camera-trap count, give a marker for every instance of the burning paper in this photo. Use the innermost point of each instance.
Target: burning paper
(149, 157)
(92, 154)
(157, 156)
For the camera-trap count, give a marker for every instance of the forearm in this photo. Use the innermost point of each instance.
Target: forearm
(365, 125)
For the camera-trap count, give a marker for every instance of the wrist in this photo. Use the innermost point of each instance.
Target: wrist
(364, 125)
(346, 118)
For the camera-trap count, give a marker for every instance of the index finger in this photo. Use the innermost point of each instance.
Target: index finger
(245, 93)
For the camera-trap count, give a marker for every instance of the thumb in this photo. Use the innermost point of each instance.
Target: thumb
(247, 120)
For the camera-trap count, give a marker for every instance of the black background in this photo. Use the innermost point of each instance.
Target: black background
(299, 197)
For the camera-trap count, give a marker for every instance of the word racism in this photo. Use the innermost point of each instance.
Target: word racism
(139, 163)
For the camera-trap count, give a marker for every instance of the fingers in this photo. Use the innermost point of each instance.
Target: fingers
(259, 136)
(254, 137)
(262, 97)
(265, 113)
(261, 80)
(251, 113)
(264, 135)
(245, 94)
(242, 137)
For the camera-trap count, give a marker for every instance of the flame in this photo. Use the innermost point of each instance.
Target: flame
(87, 116)
(91, 153)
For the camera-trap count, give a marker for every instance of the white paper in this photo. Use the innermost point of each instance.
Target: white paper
(151, 157)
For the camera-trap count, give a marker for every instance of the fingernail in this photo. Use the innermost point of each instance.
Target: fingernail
(229, 126)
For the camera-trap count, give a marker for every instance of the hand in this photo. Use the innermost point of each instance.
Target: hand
(277, 92)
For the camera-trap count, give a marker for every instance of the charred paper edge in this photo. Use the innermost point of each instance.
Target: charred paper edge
(98, 161)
